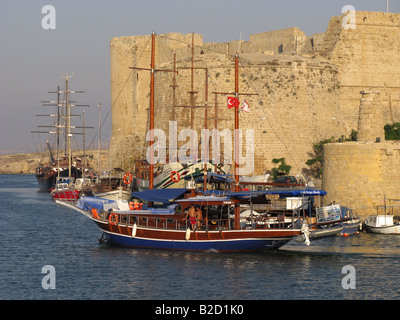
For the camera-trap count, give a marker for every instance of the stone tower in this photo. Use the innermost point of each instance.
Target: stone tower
(361, 174)
(370, 118)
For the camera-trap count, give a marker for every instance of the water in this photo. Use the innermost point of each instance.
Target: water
(35, 232)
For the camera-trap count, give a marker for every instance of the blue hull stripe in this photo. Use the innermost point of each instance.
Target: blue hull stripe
(262, 244)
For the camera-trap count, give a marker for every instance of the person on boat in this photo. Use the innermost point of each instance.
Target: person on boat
(192, 216)
(199, 217)
(281, 219)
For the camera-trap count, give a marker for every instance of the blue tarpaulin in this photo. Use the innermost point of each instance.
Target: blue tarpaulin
(159, 195)
(87, 203)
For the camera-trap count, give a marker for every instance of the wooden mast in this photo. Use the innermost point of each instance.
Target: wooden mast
(152, 72)
(236, 140)
(236, 143)
(152, 66)
(206, 147)
(69, 135)
(236, 135)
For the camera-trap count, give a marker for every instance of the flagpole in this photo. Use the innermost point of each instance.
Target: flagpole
(236, 142)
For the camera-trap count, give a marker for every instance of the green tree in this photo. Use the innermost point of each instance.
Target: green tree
(317, 161)
(282, 169)
(392, 131)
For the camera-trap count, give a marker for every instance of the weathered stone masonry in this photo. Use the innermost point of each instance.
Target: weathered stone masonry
(308, 86)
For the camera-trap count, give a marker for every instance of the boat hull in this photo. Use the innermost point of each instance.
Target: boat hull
(395, 229)
(47, 177)
(221, 241)
(45, 184)
(316, 234)
(241, 245)
(351, 226)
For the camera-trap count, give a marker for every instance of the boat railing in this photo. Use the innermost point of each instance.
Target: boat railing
(177, 222)
(390, 207)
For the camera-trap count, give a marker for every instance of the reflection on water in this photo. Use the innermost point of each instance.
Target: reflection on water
(363, 244)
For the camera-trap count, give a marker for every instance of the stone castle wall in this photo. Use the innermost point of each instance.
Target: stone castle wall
(361, 174)
(308, 86)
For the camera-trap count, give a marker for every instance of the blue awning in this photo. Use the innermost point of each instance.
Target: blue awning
(282, 192)
(211, 175)
(159, 195)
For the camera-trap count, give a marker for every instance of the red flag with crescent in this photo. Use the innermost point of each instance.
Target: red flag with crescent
(245, 106)
(233, 102)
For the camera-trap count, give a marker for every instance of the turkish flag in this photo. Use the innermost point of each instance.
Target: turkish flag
(245, 106)
(233, 102)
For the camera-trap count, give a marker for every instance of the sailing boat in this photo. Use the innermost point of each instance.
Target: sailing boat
(47, 174)
(176, 174)
(184, 220)
(64, 187)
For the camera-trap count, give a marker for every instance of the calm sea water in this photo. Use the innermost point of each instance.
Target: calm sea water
(35, 232)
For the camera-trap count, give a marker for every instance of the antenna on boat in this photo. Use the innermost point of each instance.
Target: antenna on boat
(99, 141)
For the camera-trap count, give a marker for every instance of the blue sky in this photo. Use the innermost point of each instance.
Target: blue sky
(32, 59)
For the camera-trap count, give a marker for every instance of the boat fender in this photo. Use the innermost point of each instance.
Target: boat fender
(187, 236)
(305, 230)
(134, 230)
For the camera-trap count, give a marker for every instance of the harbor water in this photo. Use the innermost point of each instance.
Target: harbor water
(51, 252)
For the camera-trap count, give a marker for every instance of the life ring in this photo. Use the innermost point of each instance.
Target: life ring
(113, 219)
(128, 174)
(173, 176)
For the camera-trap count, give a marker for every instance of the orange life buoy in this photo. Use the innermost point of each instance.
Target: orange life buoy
(95, 213)
(113, 219)
(173, 176)
(128, 174)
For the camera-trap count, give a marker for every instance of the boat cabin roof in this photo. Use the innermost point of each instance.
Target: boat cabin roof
(380, 220)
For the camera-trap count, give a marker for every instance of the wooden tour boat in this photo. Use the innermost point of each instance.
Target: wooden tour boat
(218, 225)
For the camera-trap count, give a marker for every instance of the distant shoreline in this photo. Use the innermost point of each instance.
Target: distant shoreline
(26, 163)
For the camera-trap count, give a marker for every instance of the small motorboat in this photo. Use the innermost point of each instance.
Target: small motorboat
(382, 224)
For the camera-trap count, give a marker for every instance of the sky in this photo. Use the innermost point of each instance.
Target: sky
(33, 60)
